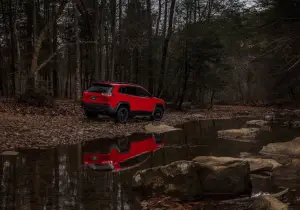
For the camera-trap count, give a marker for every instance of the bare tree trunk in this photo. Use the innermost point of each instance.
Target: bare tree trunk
(165, 19)
(1, 75)
(18, 59)
(54, 49)
(158, 18)
(165, 49)
(101, 39)
(150, 56)
(121, 41)
(12, 47)
(186, 77)
(107, 55)
(96, 34)
(113, 32)
(78, 63)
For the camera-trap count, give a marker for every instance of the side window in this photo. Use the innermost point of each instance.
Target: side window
(131, 91)
(142, 93)
(123, 90)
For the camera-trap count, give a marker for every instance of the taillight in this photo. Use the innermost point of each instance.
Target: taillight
(106, 94)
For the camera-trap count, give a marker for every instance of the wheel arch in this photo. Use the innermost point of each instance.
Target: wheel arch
(159, 105)
(123, 103)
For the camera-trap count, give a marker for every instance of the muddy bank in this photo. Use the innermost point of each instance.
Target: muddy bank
(28, 127)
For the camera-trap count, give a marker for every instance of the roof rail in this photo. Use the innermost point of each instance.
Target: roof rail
(116, 82)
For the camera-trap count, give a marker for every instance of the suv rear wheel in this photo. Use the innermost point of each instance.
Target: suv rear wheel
(157, 114)
(91, 115)
(122, 114)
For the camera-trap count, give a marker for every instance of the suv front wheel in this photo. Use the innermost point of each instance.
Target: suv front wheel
(122, 114)
(157, 114)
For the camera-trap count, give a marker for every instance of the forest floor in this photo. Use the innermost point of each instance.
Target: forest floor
(40, 127)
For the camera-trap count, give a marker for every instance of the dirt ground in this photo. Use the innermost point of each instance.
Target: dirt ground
(31, 127)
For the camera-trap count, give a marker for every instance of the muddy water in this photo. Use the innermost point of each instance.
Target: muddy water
(81, 177)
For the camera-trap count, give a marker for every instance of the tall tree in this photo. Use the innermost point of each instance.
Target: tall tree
(114, 40)
(78, 57)
(150, 56)
(165, 49)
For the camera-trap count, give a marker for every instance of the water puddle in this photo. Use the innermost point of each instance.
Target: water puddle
(98, 174)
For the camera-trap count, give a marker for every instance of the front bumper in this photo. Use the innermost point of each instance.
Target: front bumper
(98, 108)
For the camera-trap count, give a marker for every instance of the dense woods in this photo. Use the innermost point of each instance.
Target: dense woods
(200, 51)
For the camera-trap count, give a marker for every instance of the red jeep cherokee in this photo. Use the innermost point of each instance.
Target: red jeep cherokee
(121, 100)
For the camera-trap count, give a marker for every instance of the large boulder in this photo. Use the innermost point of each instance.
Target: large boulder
(256, 164)
(189, 180)
(243, 134)
(257, 122)
(267, 202)
(290, 148)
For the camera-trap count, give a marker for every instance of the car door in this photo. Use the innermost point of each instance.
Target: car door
(125, 95)
(145, 100)
(129, 95)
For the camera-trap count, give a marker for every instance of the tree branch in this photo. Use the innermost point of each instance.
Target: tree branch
(59, 48)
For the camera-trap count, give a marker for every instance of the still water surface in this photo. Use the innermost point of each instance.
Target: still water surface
(80, 177)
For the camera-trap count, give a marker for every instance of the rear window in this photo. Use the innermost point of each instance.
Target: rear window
(100, 88)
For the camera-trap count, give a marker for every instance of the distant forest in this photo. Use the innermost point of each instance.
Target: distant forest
(197, 51)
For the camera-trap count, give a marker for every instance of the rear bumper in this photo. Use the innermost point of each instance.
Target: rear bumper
(98, 108)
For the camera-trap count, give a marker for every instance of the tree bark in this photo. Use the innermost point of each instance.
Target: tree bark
(150, 56)
(96, 35)
(113, 33)
(186, 77)
(158, 18)
(54, 49)
(165, 49)
(12, 48)
(101, 39)
(78, 63)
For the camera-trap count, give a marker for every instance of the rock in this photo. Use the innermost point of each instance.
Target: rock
(288, 175)
(266, 128)
(256, 164)
(293, 124)
(270, 117)
(291, 148)
(297, 112)
(162, 128)
(239, 134)
(267, 202)
(189, 180)
(179, 179)
(257, 122)
(10, 153)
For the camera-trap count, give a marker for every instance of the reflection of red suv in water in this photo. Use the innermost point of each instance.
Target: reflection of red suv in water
(121, 100)
(119, 156)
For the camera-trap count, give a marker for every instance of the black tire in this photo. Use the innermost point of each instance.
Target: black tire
(123, 144)
(91, 115)
(157, 114)
(122, 114)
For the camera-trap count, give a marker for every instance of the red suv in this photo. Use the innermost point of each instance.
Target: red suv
(121, 100)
